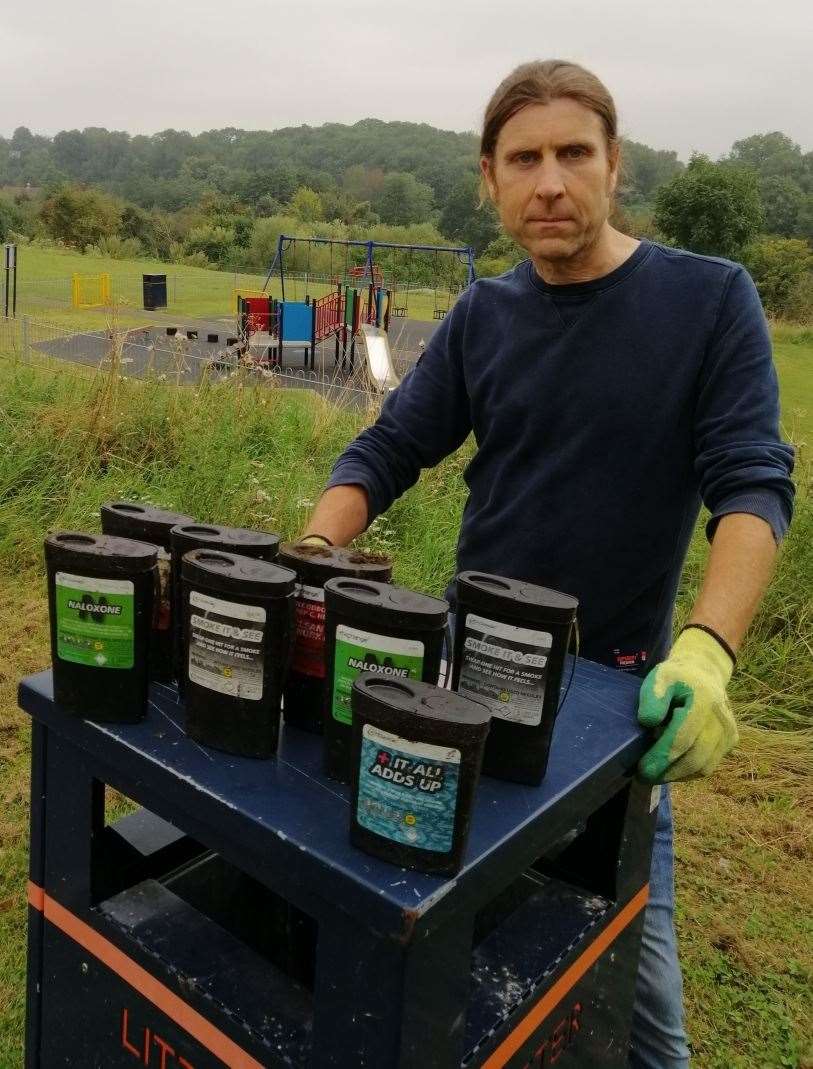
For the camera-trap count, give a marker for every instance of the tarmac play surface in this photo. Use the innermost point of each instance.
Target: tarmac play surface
(184, 350)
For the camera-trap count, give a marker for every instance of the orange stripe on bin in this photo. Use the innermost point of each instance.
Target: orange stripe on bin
(36, 896)
(527, 1026)
(143, 982)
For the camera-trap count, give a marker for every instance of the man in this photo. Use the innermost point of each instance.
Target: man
(611, 385)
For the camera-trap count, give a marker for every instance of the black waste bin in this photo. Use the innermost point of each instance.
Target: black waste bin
(155, 292)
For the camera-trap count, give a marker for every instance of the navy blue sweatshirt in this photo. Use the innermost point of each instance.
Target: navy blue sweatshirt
(603, 413)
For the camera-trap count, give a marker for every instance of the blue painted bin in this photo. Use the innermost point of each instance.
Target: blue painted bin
(228, 921)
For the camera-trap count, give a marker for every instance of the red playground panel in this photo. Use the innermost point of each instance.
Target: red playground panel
(329, 312)
(259, 314)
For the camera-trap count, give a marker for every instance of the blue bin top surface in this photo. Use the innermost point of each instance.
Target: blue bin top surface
(291, 818)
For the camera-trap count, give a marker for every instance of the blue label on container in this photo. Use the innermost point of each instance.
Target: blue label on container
(408, 790)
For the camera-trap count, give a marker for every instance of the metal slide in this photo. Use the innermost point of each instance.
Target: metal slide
(374, 346)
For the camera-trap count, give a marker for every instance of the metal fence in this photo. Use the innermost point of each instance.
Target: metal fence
(143, 353)
(10, 337)
(127, 289)
(199, 293)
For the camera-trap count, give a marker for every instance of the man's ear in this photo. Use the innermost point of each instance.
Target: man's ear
(614, 158)
(487, 184)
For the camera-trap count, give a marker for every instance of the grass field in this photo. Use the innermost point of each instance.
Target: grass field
(793, 347)
(70, 441)
(44, 288)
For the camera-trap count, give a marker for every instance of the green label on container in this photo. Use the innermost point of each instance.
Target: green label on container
(360, 651)
(408, 790)
(95, 621)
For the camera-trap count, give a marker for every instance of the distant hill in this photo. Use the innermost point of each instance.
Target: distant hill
(172, 168)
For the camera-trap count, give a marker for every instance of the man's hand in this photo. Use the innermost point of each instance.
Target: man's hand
(692, 682)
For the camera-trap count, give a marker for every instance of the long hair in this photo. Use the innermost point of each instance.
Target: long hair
(541, 82)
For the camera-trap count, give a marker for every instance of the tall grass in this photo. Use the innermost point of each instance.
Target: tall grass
(231, 451)
(254, 455)
(248, 454)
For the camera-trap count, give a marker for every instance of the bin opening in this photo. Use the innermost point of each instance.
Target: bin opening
(589, 858)
(137, 847)
(262, 920)
(584, 859)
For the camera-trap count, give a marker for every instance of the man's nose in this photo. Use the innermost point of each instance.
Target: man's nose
(549, 180)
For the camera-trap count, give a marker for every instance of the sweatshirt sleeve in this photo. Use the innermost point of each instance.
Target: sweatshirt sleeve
(422, 421)
(741, 462)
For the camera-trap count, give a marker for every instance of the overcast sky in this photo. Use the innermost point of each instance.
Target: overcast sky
(686, 75)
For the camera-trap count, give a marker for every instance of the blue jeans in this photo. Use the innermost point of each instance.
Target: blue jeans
(658, 1040)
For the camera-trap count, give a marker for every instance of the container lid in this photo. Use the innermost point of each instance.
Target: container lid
(383, 603)
(233, 573)
(422, 700)
(132, 519)
(108, 554)
(515, 597)
(232, 539)
(317, 564)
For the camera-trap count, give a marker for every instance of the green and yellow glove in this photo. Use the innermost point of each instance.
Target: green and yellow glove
(692, 682)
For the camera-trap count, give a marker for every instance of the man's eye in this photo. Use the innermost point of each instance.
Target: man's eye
(575, 152)
(526, 157)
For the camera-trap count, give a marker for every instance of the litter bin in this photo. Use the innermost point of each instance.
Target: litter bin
(155, 292)
(232, 923)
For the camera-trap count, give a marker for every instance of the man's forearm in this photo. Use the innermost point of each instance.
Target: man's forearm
(341, 513)
(739, 568)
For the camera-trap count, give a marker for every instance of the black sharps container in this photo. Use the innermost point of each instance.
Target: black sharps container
(374, 627)
(258, 544)
(511, 638)
(132, 519)
(238, 613)
(415, 761)
(314, 566)
(100, 600)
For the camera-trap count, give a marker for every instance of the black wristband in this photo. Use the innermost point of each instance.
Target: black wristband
(718, 638)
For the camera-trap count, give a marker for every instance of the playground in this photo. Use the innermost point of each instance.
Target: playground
(296, 328)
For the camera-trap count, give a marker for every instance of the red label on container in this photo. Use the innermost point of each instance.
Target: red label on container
(309, 617)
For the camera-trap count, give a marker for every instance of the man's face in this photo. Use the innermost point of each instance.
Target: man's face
(552, 179)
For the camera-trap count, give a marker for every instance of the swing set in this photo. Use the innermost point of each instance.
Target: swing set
(446, 276)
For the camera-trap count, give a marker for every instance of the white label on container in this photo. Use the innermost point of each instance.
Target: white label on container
(226, 646)
(309, 593)
(427, 750)
(505, 667)
(227, 608)
(94, 585)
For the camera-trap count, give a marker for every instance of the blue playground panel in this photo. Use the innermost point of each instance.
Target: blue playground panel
(297, 321)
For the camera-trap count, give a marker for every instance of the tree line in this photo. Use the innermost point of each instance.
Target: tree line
(221, 197)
